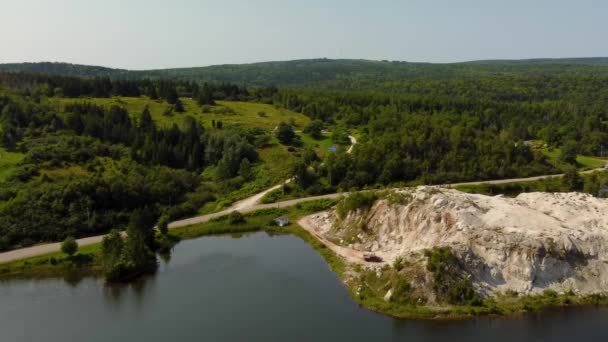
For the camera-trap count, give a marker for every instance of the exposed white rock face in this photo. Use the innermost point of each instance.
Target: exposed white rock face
(530, 243)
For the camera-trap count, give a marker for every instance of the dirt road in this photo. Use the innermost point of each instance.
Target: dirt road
(246, 205)
(515, 180)
(350, 255)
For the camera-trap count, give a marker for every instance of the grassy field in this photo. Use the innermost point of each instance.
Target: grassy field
(68, 171)
(50, 265)
(584, 162)
(8, 162)
(319, 145)
(244, 114)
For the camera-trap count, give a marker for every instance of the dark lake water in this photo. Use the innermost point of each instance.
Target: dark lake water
(253, 288)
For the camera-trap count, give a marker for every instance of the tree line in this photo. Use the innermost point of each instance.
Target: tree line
(169, 90)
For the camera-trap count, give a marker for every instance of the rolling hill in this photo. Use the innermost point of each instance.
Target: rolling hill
(315, 71)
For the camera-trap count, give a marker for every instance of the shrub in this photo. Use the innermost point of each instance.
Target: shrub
(550, 293)
(398, 264)
(69, 246)
(316, 205)
(450, 282)
(285, 134)
(272, 196)
(163, 224)
(236, 217)
(357, 200)
(402, 292)
(314, 129)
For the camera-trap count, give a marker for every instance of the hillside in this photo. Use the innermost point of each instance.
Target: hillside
(319, 71)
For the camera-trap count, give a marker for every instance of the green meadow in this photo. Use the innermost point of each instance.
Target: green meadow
(230, 113)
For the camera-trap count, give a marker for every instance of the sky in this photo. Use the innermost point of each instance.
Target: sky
(153, 34)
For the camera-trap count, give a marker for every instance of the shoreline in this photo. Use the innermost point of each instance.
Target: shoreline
(495, 307)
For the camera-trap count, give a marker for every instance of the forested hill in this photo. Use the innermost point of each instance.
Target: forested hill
(600, 61)
(64, 69)
(340, 71)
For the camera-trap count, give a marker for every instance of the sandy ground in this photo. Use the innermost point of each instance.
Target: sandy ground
(350, 255)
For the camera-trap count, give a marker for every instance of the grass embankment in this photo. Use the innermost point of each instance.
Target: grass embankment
(87, 260)
(54, 264)
(500, 305)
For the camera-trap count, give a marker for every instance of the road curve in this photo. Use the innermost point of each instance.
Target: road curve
(247, 205)
(353, 142)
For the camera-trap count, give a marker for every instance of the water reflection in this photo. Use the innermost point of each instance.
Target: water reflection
(74, 277)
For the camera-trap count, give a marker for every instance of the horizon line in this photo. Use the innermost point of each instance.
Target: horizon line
(309, 59)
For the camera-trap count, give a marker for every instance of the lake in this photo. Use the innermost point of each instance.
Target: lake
(253, 288)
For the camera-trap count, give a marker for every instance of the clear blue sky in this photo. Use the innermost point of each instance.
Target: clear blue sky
(142, 34)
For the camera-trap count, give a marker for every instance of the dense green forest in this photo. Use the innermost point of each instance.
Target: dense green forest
(440, 131)
(81, 166)
(84, 170)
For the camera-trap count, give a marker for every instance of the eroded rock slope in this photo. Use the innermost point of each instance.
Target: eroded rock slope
(528, 244)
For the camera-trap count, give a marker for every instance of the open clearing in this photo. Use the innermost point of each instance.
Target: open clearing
(244, 114)
(584, 162)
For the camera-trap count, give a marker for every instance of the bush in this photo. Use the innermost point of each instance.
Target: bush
(285, 134)
(357, 200)
(398, 264)
(236, 217)
(316, 205)
(569, 152)
(272, 196)
(163, 224)
(340, 136)
(572, 180)
(314, 129)
(450, 282)
(69, 246)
